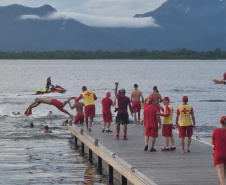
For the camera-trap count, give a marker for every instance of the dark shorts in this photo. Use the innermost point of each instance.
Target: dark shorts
(123, 118)
(90, 111)
(107, 117)
(151, 132)
(185, 131)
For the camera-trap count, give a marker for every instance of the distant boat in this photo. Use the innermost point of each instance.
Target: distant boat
(219, 81)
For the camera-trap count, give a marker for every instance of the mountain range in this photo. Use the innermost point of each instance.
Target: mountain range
(192, 24)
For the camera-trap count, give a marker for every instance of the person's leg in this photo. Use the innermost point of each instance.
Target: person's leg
(135, 117)
(188, 144)
(138, 117)
(172, 141)
(104, 124)
(146, 139)
(182, 145)
(90, 122)
(108, 125)
(153, 142)
(86, 120)
(66, 112)
(125, 129)
(167, 142)
(221, 173)
(117, 128)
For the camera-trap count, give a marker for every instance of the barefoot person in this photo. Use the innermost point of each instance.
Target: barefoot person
(155, 94)
(185, 112)
(89, 99)
(122, 115)
(106, 111)
(152, 123)
(167, 122)
(79, 118)
(136, 105)
(58, 104)
(219, 142)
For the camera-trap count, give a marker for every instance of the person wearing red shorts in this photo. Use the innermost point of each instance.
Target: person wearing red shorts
(58, 104)
(185, 112)
(106, 111)
(89, 100)
(167, 121)
(79, 118)
(136, 104)
(219, 142)
(152, 123)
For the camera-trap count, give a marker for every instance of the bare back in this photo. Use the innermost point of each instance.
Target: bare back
(136, 95)
(44, 100)
(156, 96)
(79, 107)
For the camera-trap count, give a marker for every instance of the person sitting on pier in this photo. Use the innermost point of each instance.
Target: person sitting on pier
(106, 111)
(152, 123)
(219, 142)
(167, 122)
(185, 112)
(58, 104)
(79, 118)
(47, 131)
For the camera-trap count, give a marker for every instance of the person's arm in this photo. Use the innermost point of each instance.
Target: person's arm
(79, 98)
(130, 108)
(94, 96)
(167, 112)
(131, 96)
(114, 102)
(142, 98)
(193, 120)
(72, 107)
(35, 104)
(213, 138)
(158, 119)
(144, 119)
(177, 118)
(160, 98)
(68, 100)
(116, 90)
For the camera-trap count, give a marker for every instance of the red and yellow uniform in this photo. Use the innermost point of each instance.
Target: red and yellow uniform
(185, 112)
(89, 98)
(167, 121)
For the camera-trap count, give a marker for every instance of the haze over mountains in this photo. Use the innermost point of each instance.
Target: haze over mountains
(191, 24)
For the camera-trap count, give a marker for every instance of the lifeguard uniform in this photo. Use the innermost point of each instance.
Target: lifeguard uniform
(89, 98)
(48, 83)
(58, 104)
(79, 118)
(136, 106)
(106, 109)
(186, 128)
(219, 148)
(151, 126)
(167, 121)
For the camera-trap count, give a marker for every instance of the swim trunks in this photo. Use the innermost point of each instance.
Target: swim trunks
(151, 132)
(123, 118)
(90, 111)
(79, 118)
(107, 117)
(58, 104)
(136, 106)
(167, 130)
(185, 131)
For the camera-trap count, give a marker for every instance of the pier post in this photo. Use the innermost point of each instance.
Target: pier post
(83, 149)
(100, 165)
(111, 175)
(76, 142)
(124, 180)
(90, 156)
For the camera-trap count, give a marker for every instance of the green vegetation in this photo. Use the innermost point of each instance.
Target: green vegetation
(137, 54)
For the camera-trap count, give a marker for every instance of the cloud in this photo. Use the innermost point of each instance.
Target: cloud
(98, 21)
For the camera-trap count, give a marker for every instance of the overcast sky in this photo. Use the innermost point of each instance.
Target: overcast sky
(98, 12)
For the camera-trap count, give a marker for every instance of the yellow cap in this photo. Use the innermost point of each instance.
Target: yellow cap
(49, 76)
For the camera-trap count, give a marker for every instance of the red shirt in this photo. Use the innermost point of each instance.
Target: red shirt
(224, 76)
(106, 104)
(219, 140)
(123, 102)
(150, 113)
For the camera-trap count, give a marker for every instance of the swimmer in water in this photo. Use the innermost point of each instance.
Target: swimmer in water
(15, 114)
(31, 125)
(47, 131)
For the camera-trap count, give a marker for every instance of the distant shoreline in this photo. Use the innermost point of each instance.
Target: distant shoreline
(142, 54)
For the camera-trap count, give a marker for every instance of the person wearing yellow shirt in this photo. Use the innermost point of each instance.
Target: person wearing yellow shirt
(167, 129)
(89, 98)
(186, 113)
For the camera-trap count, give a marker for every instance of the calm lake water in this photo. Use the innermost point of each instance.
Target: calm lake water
(28, 156)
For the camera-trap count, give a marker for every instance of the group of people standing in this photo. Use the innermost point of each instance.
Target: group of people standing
(185, 119)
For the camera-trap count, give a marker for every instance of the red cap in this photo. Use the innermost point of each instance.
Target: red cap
(166, 98)
(108, 94)
(185, 98)
(151, 100)
(223, 118)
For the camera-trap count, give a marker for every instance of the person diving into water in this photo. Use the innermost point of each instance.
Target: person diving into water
(58, 104)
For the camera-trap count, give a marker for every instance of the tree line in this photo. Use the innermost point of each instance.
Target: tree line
(136, 54)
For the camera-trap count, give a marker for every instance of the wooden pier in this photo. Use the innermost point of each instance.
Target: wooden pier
(128, 163)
